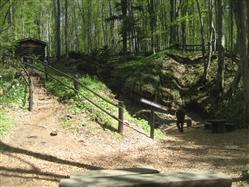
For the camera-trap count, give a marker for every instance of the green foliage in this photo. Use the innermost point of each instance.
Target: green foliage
(60, 90)
(245, 174)
(79, 104)
(14, 88)
(5, 124)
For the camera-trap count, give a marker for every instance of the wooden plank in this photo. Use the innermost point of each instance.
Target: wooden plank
(156, 105)
(177, 179)
(114, 172)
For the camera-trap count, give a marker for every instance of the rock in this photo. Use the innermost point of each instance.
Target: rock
(68, 116)
(53, 133)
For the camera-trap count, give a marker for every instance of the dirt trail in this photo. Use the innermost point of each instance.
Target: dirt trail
(30, 156)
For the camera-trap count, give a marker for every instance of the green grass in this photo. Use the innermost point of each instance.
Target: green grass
(12, 86)
(79, 104)
(245, 174)
(5, 124)
(13, 94)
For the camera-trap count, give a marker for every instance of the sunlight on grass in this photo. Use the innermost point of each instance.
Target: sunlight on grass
(78, 103)
(5, 124)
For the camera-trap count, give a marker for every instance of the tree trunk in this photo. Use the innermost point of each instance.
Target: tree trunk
(241, 10)
(202, 39)
(235, 83)
(124, 7)
(171, 40)
(231, 24)
(57, 30)
(211, 40)
(112, 42)
(183, 23)
(221, 47)
(66, 28)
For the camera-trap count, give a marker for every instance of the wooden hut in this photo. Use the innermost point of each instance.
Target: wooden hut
(28, 47)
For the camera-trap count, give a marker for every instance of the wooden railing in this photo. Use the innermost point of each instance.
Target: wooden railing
(153, 106)
(77, 84)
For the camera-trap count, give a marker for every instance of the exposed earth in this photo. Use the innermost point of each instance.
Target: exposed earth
(30, 156)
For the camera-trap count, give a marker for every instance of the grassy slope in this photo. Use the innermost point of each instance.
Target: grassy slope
(12, 90)
(78, 104)
(139, 77)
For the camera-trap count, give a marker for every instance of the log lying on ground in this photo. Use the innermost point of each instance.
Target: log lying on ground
(176, 179)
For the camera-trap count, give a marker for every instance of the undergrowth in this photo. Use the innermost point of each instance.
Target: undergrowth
(5, 124)
(78, 102)
(12, 94)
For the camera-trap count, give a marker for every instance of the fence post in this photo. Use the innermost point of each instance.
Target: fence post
(152, 124)
(121, 117)
(76, 84)
(46, 72)
(31, 99)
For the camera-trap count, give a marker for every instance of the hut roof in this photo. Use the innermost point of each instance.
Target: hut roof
(28, 40)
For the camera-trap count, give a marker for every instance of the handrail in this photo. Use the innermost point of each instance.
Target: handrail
(78, 82)
(107, 112)
(155, 105)
(120, 106)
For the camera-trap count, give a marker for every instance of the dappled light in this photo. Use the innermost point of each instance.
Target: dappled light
(107, 92)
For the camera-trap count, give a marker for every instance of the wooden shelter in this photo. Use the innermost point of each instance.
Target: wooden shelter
(28, 47)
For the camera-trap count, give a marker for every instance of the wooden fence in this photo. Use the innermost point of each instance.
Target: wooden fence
(77, 84)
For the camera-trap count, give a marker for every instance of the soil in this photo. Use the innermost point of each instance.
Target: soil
(31, 156)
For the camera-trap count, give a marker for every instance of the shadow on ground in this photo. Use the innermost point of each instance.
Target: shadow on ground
(35, 172)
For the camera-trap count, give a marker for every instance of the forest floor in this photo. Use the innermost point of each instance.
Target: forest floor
(30, 156)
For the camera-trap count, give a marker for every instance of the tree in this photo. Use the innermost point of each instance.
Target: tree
(57, 27)
(202, 38)
(66, 28)
(242, 17)
(221, 47)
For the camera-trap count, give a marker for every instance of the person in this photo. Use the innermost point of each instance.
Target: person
(180, 117)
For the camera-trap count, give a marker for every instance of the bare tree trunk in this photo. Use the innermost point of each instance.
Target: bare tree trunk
(57, 30)
(231, 24)
(151, 8)
(171, 22)
(235, 83)
(124, 7)
(241, 10)
(211, 40)
(210, 52)
(202, 39)
(66, 28)
(221, 47)
(183, 23)
(111, 25)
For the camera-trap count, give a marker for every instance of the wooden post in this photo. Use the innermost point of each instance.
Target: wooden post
(46, 72)
(152, 125)
(76, 84)
(31, 99)
(121, 117)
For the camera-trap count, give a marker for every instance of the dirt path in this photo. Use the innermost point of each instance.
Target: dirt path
(31, 157)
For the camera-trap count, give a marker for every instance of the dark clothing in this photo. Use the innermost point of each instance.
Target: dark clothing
(180, 116)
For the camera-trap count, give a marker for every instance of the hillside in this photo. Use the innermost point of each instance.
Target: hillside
(86, 139)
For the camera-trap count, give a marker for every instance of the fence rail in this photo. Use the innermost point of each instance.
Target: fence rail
(153, 106)
(76, 82)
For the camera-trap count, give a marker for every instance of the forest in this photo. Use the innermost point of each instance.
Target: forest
(108, 84)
